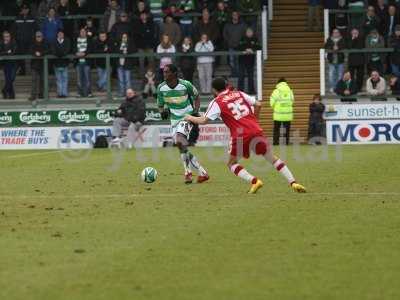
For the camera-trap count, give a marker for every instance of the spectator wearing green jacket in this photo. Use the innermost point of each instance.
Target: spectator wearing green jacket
(281, 101)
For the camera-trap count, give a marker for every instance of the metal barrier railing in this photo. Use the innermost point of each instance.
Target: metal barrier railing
(109, 57)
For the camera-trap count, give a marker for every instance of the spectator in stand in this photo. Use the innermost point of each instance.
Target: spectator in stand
(376, 85)
(381, 11)
(355, 6)
(139, 9)
(314, 15)
(187, 63)
(356, 61)
(336, 59)
(111, 15)
(24, 28)
(44, 7)
(90, 29)
(187, 6)
(102, 45)
(206, 26)
(341, 20)
(83, 47)
(395, 86)
(316, 121)
(38, 49)
(375, 60)
(64, 9)
(156, 7)
(172, 29)
(8, 47)
(145, 37)
(233, 33)
(205, 63)
(249, 45)
(51, 25)
(390, 22)
(165, 47)
(394, 42)
(371, 21)
(121, 27)
(150, 84)
(249, 7)
(346, 87)
(221, 17)
(125, 65)
(61, 48)
(202, 4)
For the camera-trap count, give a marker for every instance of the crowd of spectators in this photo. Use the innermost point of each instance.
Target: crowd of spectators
(363, 25)
(127, 26)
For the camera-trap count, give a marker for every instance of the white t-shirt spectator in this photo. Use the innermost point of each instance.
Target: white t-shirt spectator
(204, 47)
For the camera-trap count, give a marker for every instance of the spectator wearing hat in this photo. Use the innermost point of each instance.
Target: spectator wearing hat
(121, 27)
(38, 49)
(172, 29)
(376, 85)
(375, 59)
(51, 25)
(24, 28)
(61, 48)
(8, 47)
(394, 42)
(356, 61)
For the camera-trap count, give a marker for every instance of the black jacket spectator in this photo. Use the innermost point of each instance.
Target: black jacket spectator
(245, 44)
(394, 42)
(24, 28)
(187, 63)
(388, 24)
(61, 49)
(102, 47)
(120, 28)
(133, 110)
(346, 87)
(38, 50)
(356, 61)
(395, 86)
(329, 45)
(8, 50)
(144, 33)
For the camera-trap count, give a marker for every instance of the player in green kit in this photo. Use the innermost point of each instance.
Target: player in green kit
(181, 98)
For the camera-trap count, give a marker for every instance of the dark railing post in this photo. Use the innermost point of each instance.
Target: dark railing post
(108, 69)
(46, 78)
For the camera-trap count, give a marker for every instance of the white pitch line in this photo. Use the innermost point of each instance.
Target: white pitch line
(169, 195)
(34, 154)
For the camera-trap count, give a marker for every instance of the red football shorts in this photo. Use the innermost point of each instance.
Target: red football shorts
(242, 146)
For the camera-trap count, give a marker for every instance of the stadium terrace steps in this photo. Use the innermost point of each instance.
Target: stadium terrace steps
(293, 53)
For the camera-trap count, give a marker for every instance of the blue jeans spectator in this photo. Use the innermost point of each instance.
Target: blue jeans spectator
(124, 80)
(233, 63)
(84, 82)
(102, 79)
(335, 74)
(10, 72)
(61, 81)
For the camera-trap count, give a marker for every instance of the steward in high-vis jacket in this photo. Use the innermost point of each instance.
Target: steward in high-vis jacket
(281, 101)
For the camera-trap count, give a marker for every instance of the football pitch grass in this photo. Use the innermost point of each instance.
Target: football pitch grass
(81, 225)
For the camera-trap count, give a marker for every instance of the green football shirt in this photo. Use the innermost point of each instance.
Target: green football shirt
(178, 99)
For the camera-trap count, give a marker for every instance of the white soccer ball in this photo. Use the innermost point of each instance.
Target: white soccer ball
(149, 175)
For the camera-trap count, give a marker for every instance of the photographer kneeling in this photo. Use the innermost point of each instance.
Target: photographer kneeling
(131, 114)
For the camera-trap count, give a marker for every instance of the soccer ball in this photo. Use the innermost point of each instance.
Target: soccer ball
(149, 175)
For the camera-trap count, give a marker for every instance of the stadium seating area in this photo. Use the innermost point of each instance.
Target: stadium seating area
(365, 41)
(99, 27)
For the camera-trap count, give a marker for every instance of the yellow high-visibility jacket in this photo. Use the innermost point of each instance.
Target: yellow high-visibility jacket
(281, 101)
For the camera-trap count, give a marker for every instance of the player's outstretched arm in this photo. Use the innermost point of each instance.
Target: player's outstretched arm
(196, 120)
